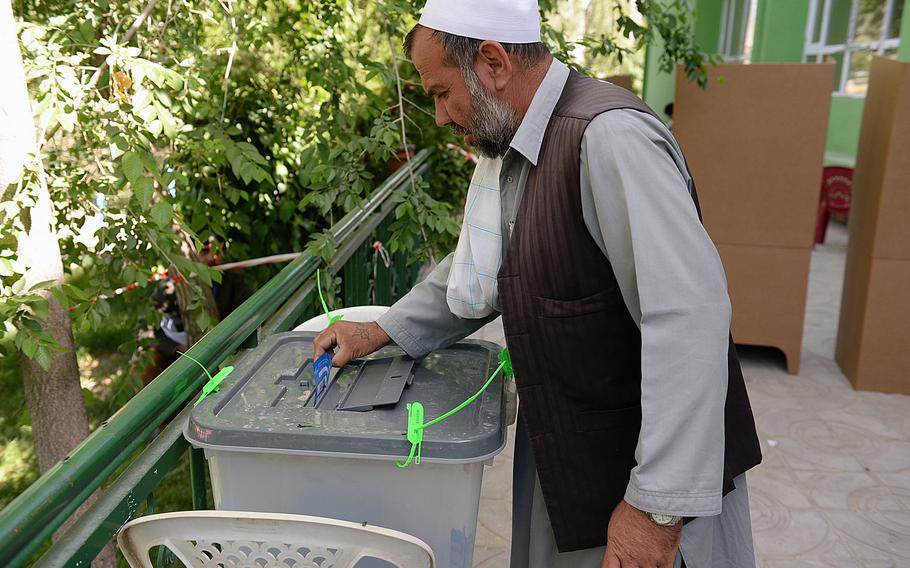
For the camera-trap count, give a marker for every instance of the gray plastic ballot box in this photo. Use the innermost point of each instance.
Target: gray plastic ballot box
(272, 447)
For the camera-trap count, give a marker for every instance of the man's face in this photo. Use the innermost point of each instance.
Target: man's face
(466, 106)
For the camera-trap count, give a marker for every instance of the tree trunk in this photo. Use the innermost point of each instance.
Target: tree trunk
(54, 397)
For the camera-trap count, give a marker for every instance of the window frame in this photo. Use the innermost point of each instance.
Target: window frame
(818, 50)
(726, 40)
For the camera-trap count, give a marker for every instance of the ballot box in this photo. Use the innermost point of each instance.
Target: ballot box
(273, 445)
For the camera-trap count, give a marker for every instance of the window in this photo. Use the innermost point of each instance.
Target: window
(848, 33)
(737, 24)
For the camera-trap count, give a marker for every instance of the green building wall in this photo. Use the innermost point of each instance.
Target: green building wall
(843, 130)
(903, 50)
(780, 31)
(708, 15)
(659, 88)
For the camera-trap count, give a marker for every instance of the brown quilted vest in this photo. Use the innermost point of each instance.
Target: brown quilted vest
(575, 348)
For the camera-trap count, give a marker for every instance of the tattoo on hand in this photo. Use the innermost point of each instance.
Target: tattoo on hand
(362, 333)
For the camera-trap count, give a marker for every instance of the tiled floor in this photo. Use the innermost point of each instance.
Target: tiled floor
(834, 488)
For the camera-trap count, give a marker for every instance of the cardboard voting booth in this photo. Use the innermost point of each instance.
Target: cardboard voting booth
(874, 330)
(755, 143)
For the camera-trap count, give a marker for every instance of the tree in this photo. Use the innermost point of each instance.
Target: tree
(51, 383)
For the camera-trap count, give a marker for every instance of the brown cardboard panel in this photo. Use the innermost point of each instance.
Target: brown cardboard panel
(884, 362)
(873, 348)
(889, 99)
(624, 81)
(855, 294)
(755, 143)
(874, 157)
(768, 291)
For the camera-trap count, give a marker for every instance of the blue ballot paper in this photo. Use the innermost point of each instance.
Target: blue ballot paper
(322, 369)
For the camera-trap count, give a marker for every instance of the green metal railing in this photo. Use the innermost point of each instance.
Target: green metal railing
(28, 522)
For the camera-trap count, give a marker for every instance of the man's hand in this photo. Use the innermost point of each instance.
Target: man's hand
(352, 339)
(633, 540)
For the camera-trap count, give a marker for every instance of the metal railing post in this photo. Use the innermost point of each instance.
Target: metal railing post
(197, 478)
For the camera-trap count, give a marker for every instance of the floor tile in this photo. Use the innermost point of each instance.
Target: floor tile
(778, 485)
(779, 531)
(875, 534)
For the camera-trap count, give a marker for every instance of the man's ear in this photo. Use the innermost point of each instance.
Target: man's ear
(493, 65)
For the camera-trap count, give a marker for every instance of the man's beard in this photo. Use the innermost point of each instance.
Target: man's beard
(494, 121)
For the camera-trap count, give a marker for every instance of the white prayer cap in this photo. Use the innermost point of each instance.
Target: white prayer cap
(506, 21)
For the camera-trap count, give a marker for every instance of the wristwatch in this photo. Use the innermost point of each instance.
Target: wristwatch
(663, 520)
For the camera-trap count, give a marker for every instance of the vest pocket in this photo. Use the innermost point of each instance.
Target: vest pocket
(597, 302)
(591, 348)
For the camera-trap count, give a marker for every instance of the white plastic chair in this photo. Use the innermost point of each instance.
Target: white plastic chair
(240, 539)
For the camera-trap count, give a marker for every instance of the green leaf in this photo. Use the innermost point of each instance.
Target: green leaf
(43, 358)
(389, 137)
(54, 346)
(67, 120)
(41, 308)
(18, 287)
(42, 285)
(154, 127)
(6, 267)
(203, 320)
(103, 307)
(118, 146)
(204, 273)
(26, 299)
(80, 310)
(29, 347)
(162, 214)
(75, 292)
(168, 123)
(131, 164)
(61, 297)
(143, 189)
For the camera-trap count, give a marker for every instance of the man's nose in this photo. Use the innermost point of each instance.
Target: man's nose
(442, 116)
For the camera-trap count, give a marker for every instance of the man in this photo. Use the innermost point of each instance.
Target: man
(582, 229)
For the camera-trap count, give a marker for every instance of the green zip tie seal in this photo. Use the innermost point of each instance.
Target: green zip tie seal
(415, 433)
(213, 384)
(325, 307)
(415, 412)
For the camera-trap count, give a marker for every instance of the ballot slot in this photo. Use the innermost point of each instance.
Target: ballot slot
(376, 382)
(292, 379)
(379, 382)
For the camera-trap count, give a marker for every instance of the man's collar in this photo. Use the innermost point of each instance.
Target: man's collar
(529, 136)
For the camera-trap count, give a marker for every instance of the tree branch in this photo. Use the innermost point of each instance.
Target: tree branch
(137, 23)
(231, 51)
(404, 139)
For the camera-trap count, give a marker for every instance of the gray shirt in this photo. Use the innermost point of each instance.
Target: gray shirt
(637, 206)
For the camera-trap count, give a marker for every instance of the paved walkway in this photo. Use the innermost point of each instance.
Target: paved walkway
(834, 488)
